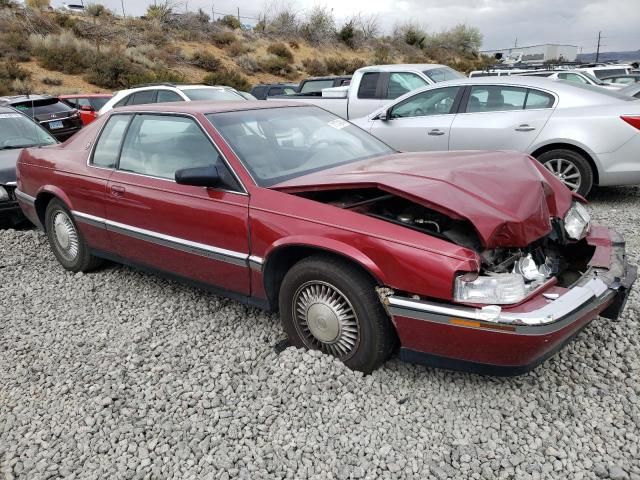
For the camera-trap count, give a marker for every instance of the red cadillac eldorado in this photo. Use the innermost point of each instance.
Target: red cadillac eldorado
(480, 261)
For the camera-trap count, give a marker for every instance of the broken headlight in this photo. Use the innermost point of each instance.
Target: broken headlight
(498, 289)
(576, 221)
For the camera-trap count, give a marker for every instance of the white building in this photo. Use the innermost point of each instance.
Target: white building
(536, 53)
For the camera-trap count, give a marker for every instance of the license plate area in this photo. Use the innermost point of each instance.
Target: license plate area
(55, 125)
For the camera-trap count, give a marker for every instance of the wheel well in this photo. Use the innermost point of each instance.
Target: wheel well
(42, 200)
(281, 260)
(568, 146)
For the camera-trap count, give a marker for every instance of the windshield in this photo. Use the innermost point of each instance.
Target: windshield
(219, 94)
(98, 102)
(606, 72)
(277, 144)
(443, 74)
(595, 80)
(316, 85)
(18, 131)
(40, 107)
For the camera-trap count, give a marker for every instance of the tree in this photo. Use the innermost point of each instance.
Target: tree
(320, 26)
(37, 4)
(160, 11)
(231, 22)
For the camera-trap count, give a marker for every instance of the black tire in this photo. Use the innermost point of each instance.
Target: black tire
(376, 336)
(562, 157)
(78, 258)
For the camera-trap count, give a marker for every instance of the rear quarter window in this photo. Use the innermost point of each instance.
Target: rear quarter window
(368, 85)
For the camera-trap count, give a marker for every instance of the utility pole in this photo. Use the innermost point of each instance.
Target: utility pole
(239, 15)
(213, 13)
(598, 49)
(515, 45)
(124, 15)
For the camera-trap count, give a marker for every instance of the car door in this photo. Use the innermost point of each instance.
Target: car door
(421, 122)
(500, 117)
(194, 232)
(573, 77)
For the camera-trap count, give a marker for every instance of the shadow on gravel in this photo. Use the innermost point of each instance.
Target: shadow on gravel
(608, 194)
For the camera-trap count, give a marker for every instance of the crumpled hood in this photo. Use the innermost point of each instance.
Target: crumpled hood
(508, 196)
(8, 159)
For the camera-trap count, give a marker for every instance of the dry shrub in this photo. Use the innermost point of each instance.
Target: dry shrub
(237, 48)
(382, 54)
(230, 78)
(54, 82)
(223, 38)
(15, 44)
(276, 65)
(62, 52)
(22, 87)
(248, 63)
(293, 44)
(343, 66)
(281, 50)
(315, 67)
(205, 60)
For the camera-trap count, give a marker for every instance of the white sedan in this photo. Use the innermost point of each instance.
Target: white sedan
(584, 135)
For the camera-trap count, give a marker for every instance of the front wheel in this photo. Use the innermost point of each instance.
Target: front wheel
(329, 305)
(67, 243)
(570, 168)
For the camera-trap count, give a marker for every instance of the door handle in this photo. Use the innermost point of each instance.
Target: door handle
(525, 128)
(435, 132)
(117, 190)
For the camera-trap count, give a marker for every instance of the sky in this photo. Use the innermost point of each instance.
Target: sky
(502, 22)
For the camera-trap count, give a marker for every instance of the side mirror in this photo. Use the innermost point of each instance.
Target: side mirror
(87, 108)
(199, 176)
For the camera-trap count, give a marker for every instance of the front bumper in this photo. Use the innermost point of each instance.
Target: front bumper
(10, 213)
(511, 341)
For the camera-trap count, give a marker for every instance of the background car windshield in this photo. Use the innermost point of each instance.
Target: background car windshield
(211, 94)
(40, 107)
(595, 80)
(316, 85)
(277, 144)
(443, 74)
(98, 102)
(17, 131)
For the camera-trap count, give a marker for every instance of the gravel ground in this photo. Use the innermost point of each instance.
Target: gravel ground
(119, 374)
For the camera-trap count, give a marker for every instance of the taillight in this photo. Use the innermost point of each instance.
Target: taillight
(633, 121)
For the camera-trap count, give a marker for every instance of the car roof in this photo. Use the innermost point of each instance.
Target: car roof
(402, 67)
(208, 106)
(86, 95)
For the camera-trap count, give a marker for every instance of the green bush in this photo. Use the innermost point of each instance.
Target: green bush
(281, 50)
(230, 78)
(347, 34)
(343, 66)
(231, 22)
(205, 60)
(223, 38)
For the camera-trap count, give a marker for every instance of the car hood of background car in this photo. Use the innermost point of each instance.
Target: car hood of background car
(8, 160)
(508, 196)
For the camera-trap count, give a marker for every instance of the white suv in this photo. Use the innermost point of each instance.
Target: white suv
(168, 92)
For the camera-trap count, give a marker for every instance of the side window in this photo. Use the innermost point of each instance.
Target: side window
(108, 146)
(276, 91)
(71, 101)
(158, 145)
(494, 98)
(259, 92)
(143, 97)
(432, 102)
(538, 99)
(123, 102)
(168, 96)
(83, 102)
(403, 82)
(368, 85)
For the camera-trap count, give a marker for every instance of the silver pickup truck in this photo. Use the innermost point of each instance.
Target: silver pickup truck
(372, 87)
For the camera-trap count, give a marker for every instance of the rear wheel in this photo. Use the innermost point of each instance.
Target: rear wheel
(571, 168)
(329, 305)
(67, 243)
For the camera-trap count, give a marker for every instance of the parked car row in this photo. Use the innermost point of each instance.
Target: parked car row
(482, 261)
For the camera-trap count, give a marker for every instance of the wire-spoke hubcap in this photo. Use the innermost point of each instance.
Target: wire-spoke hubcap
(566, 171)
(325, 319)
(65, 235)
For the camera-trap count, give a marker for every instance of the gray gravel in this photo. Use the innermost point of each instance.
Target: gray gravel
(119, 374)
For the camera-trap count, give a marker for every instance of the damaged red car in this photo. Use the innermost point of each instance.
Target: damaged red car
(480, 261)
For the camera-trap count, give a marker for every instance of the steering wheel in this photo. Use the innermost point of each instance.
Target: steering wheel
(8, 141)
(419, 112)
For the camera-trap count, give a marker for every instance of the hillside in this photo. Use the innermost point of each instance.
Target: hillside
(51, 52)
